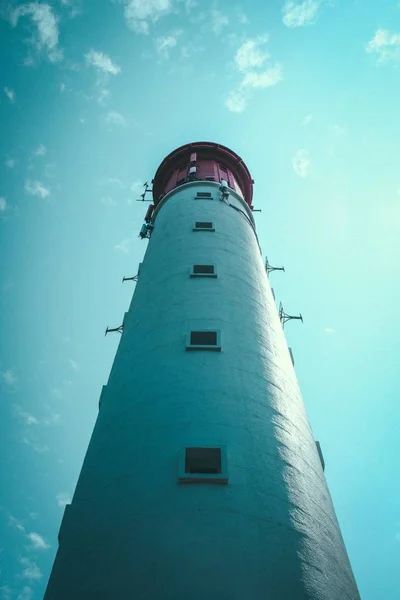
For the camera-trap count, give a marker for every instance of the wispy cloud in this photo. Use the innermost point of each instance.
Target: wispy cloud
(10, 94)
(140, 13)
(14, 522)
(105, 67)
(40, 150)
(63, 498)
(6, 592)
(30, 570)
(307, 120)
(38, 542)
(218, 20)
(102, 62)
(115, 118)
(297, 14)
(26, 593)
(301, 162)
(73, 364)
(263, 79)
(46, 38)
(36, 446)
(8, 377)
(3, 204)
(165, 43)
(385, 45)
(10, 163)
(25, 416)
(329, 331)
(35, 188)
(251, 54)
(50, 417)
(108, 201)
(338, 130)
(250, 62)
(124, 246)
(115, 181)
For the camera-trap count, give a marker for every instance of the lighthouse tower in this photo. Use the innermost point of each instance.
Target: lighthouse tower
(202, 480)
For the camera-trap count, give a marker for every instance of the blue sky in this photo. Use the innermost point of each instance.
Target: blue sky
(93, 94)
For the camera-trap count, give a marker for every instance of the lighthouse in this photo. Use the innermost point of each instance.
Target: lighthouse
(202, 479)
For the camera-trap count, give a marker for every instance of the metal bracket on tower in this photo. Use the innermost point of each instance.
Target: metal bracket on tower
(269, 268)
(143, 196)
(284, 317)
(134, 278)
(115, 329)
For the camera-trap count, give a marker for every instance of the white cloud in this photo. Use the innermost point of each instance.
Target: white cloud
(30, 569)
(124, 246)
(25, 594)
(63, 498)
(112, 181)
(263, 79)
(115, 118)
(165, 43)
(386, 45)
(10, 94)
(27, 417)
(16, 523)
(73, 364)
(40, 150)
(3, 207)
(250, 59)
(35, 188)
(338, 129)
(218, 21)
(236, 101)
(301, 162)
(47, 27)
(307, 120)
(6, 592)
(250, 55)
(329, 331)
(108, 201)
(10, 163)
(39, 448)
(102, 62)
(297, 14)
(8, 377)
(38, 542)
(139, 13)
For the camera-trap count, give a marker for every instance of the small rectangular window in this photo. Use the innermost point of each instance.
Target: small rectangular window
(203, 226)
(204, 195)
(210, 178)
(203, 465)
(291, 356)
(204, 340)
(321, 458)
(203, 271)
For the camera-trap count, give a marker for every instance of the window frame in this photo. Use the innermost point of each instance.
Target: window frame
(206, 347)
(197, 228)
(194, 275)
(218, 478)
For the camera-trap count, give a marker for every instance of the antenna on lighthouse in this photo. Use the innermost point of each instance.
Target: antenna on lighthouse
(284, 317)
(269, 268)
(119, 329)
(143, 196)
(134, 278)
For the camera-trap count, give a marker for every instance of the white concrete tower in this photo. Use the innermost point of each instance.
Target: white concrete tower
(202, 479)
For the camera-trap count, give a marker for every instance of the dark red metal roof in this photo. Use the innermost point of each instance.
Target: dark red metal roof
(205, 150)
